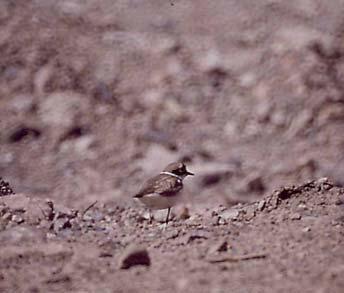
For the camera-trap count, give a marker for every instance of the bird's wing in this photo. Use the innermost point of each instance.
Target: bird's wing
(164, 185)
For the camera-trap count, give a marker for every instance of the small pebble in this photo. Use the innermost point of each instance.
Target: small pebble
(17, 219)
(261, 205)
(231, 214)
(306, 229)
(295, 216)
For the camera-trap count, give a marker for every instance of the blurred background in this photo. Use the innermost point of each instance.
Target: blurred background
(96, 96)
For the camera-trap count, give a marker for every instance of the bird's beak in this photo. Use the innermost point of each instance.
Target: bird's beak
(189, 173)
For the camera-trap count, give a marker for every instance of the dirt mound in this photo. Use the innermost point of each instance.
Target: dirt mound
(290, 240)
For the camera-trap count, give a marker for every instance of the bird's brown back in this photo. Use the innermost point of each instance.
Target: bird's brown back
(162, 184)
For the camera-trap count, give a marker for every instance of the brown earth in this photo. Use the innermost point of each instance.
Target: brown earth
(290, 241)
(96, 96)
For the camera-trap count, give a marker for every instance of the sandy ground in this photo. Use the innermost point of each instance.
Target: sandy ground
(96, 96)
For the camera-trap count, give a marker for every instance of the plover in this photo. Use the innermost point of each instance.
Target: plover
(162, 191)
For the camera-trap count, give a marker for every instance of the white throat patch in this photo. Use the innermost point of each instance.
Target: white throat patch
(171, 174)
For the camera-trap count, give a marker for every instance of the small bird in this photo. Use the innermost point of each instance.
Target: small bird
(162, 191)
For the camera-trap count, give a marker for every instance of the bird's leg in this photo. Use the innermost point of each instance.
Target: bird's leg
(168, 215)
(164, 226)
(150, 216)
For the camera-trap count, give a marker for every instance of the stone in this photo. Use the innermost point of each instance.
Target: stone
(172, 234)
(324, 184)
(7, 216)
(212, 60)
(60, 109)
(306, 229)
(248, 79)
(250, 212)
(79, 146)
(133, 256)
(295, 216)
(261, 205)
(17, 219)
(93, 215)
(183, 214)
(231, 214)
(219, 221)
